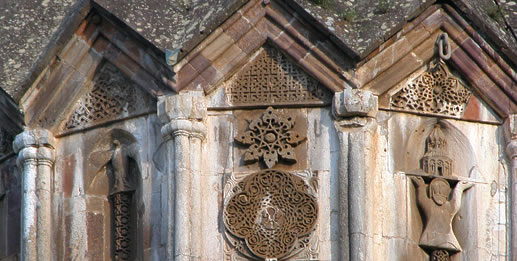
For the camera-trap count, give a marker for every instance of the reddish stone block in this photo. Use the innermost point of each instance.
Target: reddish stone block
(472, 109)
(211, 75)
(283, 41)
(251, 41)
(466, 65)
(199, 63)
(302, 33)
(279, 16)
(127, 65)
(230, 21)
(95, 231)
(90, 33)
(217, 47)
(433, 21)
(229, 59)
(238, 29)
(185, 75)
(255, 13)
(297, 51)
(197, 84)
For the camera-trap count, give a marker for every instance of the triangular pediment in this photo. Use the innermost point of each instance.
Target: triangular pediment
(111, 96)
(259, 37)
(270, 78)
(473, 83)
(103, 73)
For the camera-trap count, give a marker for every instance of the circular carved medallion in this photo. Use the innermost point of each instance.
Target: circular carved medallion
(271, 210)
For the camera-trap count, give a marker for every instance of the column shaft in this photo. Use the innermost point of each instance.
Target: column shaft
(195, 163)
(29, 243)
(182, 211)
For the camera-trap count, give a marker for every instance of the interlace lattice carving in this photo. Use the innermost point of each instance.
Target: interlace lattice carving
(113, 96)
(435, 91)
(272, 79)
(273, 212)
(122, 218)
(440, 255)
(270, 137)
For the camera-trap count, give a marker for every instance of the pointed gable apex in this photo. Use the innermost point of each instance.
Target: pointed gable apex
(232, 44)
(404, 57)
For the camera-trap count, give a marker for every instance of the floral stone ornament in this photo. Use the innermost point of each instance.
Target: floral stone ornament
(273, 212)
(270, 137)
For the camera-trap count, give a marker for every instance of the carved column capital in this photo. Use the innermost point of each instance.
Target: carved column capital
(35, 145)
(510, 135)
(354, 102)
(183, 114)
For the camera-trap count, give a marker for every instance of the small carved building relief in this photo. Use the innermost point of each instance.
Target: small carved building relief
(435, 91)
(271, 214)
(438, 195)
(113, 96)
(272, 79)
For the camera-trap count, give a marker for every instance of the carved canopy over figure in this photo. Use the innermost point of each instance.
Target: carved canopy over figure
(439, 211)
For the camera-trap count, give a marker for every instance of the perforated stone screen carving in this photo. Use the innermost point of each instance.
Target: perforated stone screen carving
(434, 91)
(273, 212)
(272, 79)
(113, 96)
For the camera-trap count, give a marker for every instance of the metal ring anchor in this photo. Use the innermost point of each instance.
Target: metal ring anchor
(443, 45)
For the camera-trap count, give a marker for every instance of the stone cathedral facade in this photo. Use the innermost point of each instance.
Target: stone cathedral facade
(268, 137)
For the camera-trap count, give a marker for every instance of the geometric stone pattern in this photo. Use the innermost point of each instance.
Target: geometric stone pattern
(269, 138)
(122, 225)
(273, 213)
(435, 91)
(272, 79)
(440, 255)
(113, 96)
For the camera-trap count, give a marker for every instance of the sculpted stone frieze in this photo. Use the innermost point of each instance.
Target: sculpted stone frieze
(434, 91)
(270, 137)
(271, 215)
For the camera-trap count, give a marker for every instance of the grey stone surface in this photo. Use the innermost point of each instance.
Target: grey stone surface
(354, 102)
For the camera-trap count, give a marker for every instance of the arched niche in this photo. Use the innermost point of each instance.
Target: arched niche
(116, 163)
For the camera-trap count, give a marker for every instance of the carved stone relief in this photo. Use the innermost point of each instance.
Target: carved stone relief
(435, 91)
(438, 196)
(270, 137)
(272, 79)
(271, 215)
(123, 170)
(113, 96)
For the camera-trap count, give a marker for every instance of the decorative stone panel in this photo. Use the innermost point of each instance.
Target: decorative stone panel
(272, 79)
(113, 96)
(435, 91)
(271, 214)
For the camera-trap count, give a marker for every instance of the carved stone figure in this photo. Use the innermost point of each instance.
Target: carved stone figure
(439, 206)
(435, 160)
(123, 173)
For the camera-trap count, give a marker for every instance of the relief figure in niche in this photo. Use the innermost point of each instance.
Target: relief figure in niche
(124, 171)
(439, 204)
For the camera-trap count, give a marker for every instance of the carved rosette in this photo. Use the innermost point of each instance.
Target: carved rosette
(440, 255)
(435, 91)
(270, 137)
(270, 215)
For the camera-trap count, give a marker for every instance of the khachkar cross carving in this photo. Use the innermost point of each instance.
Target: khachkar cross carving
(435, 91)
(270, 137)
(438, 202)
(273, 213)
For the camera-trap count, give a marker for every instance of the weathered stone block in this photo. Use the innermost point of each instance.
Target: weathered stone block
(354, 102)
